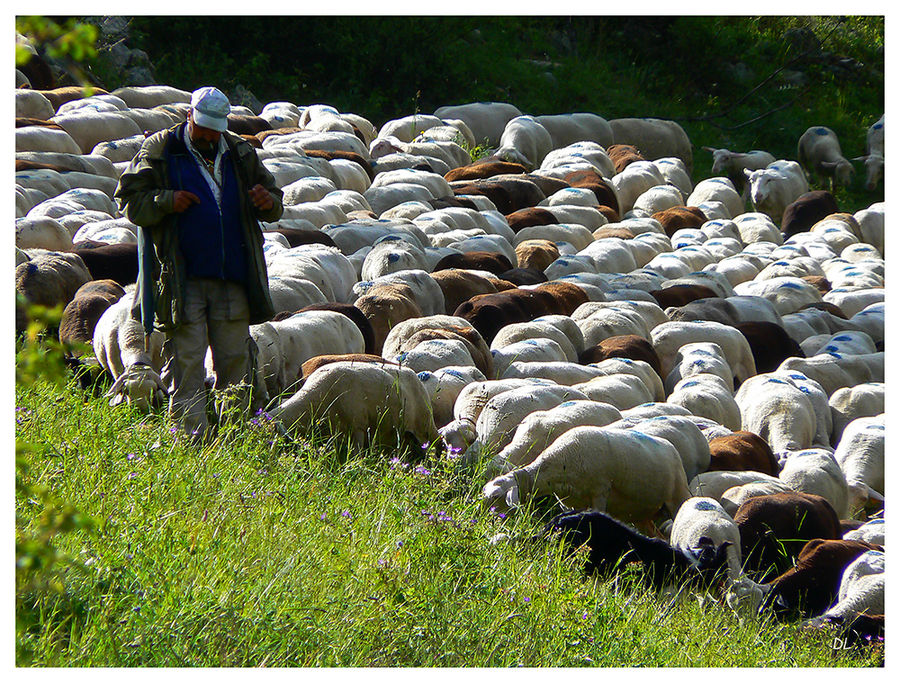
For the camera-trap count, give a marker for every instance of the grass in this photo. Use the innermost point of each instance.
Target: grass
(255, 552)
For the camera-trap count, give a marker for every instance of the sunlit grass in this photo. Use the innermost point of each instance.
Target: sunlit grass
(254, 552)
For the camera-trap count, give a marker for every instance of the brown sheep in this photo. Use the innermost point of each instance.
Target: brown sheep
(807, 210)
(623, 155)
(490, 261)
(678, 217)
(811, 586)
(81, 314)
(310, 366)
(681, 295)
(537, 254)
(459, 285)
(742, 451)
(631, 346)
(385, 306)
(775, 527)
(485, 168)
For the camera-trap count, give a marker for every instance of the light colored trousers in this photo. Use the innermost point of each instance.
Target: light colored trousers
(216, 315)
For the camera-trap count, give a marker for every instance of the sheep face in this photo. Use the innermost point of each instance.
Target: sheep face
(140, 386)
(745, 597)
(501, 493)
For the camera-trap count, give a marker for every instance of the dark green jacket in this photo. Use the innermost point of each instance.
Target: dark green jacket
(146, 197)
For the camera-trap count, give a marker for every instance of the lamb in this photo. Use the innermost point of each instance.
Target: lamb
(773, 188)
(626, 473)
(374, 404)
(732, 165)
(874, 156)
(133, 360)
(819, 153)
(610, 543)
(860, 453)
(702, 526)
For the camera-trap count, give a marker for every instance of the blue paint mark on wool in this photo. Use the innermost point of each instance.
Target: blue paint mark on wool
(705, 505)
(821, 131)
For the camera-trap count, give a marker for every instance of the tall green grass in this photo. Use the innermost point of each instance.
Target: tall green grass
(257, 552)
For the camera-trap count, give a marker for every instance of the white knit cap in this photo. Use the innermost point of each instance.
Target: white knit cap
(210, 108)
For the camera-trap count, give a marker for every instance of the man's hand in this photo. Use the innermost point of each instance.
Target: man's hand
(261, 198)
(183, 199)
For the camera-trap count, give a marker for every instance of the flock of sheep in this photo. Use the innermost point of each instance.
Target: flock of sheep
(572, 313)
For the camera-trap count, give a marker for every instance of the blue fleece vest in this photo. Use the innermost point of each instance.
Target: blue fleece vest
(211, 240)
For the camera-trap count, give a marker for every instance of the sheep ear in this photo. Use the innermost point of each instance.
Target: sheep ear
(512, 497)
(709, 149)
(864, 157)
(829, 164)
(116, 400)
(748, 172)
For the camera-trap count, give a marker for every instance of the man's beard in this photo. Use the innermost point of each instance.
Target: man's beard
(206, 148)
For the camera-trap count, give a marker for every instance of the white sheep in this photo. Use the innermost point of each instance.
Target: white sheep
(444, 386)
(654, 138)
(814, 470)
(524, 141)
(861, 590)
(695, 358)
(860, 453)
(284, 345)
(569, 129)
(874, 156)
(870, 532)
(626, 473)
(710, 396)
(718, 189)
(776, 186)
(486, 120)
(679, 430)
(371, 403)
(668, 337)
(542, 427)
(778, 411)
(702, 524)
(819, 153)
(849, 403)
(133, 360)
(504, 411)
(732, 165)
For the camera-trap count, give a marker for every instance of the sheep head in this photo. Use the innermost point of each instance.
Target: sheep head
(745, 597)
(138, 385)
(501, 493)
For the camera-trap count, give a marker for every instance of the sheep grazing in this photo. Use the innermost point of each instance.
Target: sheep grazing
(861, 591)
(611, 544)
(732, 164)
(133, 360)
(624, 472)
(373, 404)
(702, 529)
(874, 156)
(811, 586)
(774, 529)
(819, 153)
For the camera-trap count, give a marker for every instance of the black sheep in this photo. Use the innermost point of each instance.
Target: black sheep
(611, 543)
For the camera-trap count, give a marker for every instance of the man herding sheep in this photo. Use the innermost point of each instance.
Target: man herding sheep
(197, 193)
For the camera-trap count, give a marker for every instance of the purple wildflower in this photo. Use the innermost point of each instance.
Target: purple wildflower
(322, 516)
(254, 422)
(130, 456)
(346, 513)
(527, 599)
(132, 475)
(421, 470)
